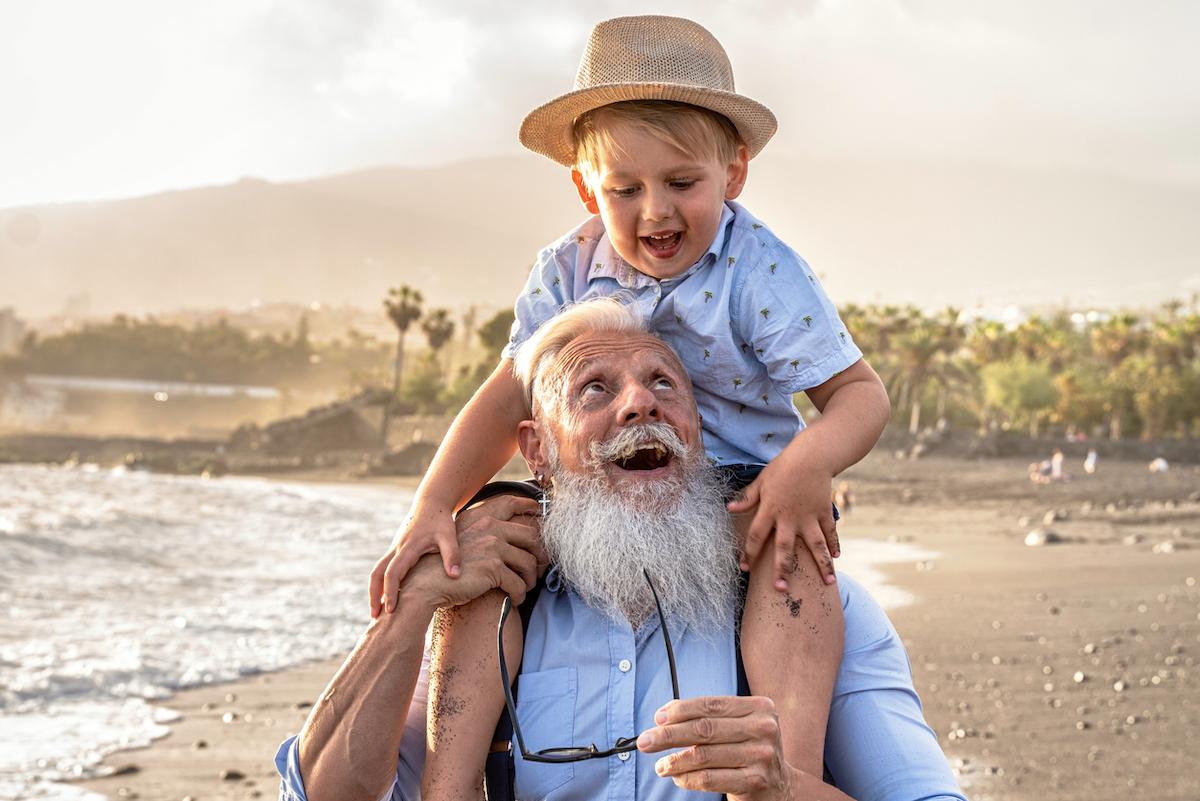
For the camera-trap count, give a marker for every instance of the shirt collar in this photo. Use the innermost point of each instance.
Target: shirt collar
(607, 263)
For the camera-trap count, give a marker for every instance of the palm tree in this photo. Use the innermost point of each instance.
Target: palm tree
(403, 307)
(439, 329)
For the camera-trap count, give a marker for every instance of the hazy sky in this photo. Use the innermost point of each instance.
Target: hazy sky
(128, 97)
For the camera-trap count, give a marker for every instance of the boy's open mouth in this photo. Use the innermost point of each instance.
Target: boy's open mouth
(663, 245)
(644, 457)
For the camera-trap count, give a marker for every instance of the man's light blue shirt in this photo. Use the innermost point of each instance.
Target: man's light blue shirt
(749, 320)
(588, 679)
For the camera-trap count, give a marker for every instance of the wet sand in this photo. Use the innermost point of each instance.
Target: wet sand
(1065, 671)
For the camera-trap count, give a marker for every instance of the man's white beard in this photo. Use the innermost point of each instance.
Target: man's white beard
(678, 530)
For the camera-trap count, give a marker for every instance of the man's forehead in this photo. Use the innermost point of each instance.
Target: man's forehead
(615, 349)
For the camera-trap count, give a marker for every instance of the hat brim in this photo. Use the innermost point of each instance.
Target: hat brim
(548, 128)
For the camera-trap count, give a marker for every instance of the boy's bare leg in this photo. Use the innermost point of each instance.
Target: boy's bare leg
(792, 648)
(465, 696)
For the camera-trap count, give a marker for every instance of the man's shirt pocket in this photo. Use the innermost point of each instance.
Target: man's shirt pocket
(546, 710)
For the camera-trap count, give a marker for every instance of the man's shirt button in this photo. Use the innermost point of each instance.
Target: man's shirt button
(623, 756)
(624, 665)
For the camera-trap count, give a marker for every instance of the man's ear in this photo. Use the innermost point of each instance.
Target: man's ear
(529, 440)
(738, 171)
(585, 192)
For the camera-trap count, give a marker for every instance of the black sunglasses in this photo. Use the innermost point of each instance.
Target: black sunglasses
(576, 753)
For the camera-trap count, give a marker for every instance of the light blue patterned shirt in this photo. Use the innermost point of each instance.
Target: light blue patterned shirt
(749, 320)
(587, 679)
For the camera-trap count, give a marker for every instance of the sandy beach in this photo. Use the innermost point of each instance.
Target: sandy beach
(1064, 670)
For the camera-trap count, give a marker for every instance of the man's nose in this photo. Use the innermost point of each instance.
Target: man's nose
(637, 404)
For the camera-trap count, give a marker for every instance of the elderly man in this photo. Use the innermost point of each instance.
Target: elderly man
(615, 434)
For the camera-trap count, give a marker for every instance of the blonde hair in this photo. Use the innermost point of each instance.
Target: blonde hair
(534, 363)
(689, 129)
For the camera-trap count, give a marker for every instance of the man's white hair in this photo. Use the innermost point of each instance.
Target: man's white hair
(534, 364)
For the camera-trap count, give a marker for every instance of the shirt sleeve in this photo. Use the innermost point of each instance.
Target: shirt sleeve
(783, 313)
(878, 746)
(542, 298)
(406, 786)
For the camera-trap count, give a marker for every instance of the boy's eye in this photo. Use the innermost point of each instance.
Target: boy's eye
(623, 191)
(682, 183)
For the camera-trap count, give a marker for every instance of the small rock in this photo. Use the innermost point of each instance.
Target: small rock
(1023, 521)
(1052, 516)
(1131, 539)
(126, 770)
(232, 775)
(230, 697)
(1164, 547)
(302, 704)
(200, 745)
(1041, 536)
(1080, 677)
(229, 717)
(1119, 686)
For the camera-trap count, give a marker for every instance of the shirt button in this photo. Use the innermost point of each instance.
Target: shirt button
(624, 665)
(623, 756)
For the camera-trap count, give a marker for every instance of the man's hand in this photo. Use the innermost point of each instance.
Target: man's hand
(500, 549)
(791, 498)
(425, 530)
(731, 745)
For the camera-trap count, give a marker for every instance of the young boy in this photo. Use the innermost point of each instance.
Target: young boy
(658, 143)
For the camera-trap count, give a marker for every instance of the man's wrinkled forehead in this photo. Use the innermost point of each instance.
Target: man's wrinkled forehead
(614, 351)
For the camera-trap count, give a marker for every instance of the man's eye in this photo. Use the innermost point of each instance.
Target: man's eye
(592, 388)
(663, 383)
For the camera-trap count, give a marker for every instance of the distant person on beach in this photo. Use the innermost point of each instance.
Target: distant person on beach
(1159, 465)
(658, 145)
(1056, 466)
(843, 497)
(633, 550)
(1089, 462)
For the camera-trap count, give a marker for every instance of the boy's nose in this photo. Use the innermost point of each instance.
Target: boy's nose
(656, 205)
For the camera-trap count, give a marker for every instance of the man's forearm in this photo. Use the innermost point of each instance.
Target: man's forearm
(349, 745)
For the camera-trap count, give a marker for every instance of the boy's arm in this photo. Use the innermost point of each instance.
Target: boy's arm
(481, 440)
(465, 696)
(791, 497)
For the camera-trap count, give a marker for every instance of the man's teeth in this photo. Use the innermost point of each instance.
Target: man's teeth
(659, 450)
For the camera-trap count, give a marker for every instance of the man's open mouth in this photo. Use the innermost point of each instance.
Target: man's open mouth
(644, 457)
(663, 244)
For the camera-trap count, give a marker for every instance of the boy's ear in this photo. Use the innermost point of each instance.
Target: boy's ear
(529, 440)
(738, 170)
(585, 192)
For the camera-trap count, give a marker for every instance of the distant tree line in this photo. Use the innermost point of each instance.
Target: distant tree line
(1113, 375)
(1110, 375)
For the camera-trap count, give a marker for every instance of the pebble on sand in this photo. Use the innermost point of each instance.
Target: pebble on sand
(232, 775)
(1041, 536)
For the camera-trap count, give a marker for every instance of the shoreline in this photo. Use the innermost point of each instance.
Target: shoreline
(1065, 669)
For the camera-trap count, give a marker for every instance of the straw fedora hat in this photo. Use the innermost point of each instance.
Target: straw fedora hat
(647, 58)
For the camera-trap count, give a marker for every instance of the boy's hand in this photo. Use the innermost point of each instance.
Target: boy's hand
(791, 497)
(423, 531)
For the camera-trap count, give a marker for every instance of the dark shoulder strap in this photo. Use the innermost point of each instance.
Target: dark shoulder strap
(499, 770)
